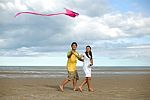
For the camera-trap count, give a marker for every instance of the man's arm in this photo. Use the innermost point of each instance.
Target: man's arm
(69, 54)
(80, 59)
(78, 56)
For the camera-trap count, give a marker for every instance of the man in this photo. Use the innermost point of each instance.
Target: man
(72, 55)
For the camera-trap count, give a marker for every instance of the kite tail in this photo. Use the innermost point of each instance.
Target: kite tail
(34, 13)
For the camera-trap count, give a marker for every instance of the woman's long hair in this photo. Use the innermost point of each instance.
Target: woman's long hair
(90, 53)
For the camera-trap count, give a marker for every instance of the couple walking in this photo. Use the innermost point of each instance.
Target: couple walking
(87, 60)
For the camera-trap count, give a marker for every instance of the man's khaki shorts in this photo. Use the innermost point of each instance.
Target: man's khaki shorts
(73, 75)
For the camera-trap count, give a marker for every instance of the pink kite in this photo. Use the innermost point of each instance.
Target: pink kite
(68, 13)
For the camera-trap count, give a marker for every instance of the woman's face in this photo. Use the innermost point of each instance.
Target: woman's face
(88, 49)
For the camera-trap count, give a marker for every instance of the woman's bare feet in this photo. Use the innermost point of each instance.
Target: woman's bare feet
(91, 90)
(61, 88)
(80, 89)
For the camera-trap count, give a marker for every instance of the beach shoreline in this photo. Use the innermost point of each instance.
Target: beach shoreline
(59, 71)
(115, 87)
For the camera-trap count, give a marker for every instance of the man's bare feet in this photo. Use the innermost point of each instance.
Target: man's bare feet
(75, 89)
(61, 88)
(80, 89)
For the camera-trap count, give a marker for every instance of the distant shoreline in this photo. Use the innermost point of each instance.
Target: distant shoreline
(81, 66)
(61, 71)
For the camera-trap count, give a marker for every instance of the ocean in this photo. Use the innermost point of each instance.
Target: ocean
(60, 71)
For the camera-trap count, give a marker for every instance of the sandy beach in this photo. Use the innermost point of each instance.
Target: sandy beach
(115, 87)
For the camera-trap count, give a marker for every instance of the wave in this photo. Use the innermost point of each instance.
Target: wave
(46, 72)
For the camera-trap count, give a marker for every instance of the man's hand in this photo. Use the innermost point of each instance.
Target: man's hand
(72, 51)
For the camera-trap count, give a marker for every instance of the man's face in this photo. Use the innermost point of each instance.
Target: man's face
(74, 47)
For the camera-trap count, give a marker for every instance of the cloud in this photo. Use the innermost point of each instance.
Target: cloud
(140, 47)
(123, 48)
(112, 25)
(109, 32)
(13, 5)
(23, 51)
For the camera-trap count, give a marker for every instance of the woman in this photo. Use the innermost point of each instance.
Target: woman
(87, 64)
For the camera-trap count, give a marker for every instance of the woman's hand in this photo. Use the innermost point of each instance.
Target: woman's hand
(89, 66)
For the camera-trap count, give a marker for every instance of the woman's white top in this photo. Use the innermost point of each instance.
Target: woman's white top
(86, 65)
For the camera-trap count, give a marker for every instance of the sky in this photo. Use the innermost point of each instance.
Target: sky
(117, 30)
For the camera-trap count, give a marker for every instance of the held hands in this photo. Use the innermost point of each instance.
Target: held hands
(81, 56)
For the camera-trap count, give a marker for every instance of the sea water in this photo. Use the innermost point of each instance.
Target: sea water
(61, 71)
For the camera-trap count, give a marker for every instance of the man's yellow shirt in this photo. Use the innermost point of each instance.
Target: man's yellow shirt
(72, 61)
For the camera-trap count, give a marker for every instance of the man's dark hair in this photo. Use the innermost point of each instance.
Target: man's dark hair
(74, 43)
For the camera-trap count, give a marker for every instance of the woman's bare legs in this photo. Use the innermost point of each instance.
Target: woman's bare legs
(82, 84)
(89, 84)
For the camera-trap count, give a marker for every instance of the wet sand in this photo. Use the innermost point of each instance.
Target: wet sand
(113, 87)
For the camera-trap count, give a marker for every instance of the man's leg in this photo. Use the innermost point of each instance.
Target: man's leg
(76, 78)
(63, 84)
(74, 84)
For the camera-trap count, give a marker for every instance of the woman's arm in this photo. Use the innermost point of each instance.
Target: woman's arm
(91, 62)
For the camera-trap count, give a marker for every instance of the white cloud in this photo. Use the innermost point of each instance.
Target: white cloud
(96, 25)
(111, 26)
(139, 47)
(23, 51)
(2, 42)
(37, 5)
(107, 26)
(2, 6)
(15, 5)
